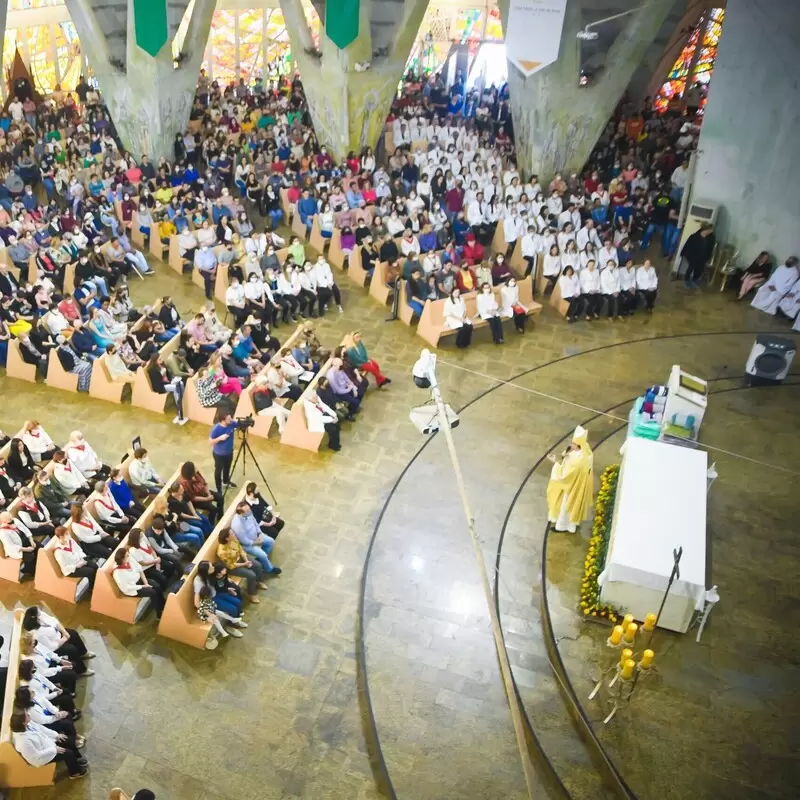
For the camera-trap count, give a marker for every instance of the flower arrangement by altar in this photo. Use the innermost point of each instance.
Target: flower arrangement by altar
(598, 545)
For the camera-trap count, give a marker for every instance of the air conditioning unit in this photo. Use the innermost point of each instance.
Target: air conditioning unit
(769, 360)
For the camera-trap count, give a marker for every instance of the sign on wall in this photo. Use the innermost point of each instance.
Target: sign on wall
(533, 35)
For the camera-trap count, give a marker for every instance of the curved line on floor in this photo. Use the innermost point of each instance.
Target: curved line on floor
(575, 708)
(372, 738)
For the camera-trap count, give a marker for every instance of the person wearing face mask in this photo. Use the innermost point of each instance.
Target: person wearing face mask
(489, 311)
(206, 263)
(500, 271)
(455, 317)
(569, 285)
(326, 285)
(511, 306)
(611, 288)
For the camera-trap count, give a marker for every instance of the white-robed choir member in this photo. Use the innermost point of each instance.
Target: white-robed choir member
(489, 311)
(591, 290)
(40, 745)
(647, 284)
(569, 285)
(83, 456)
(610, 286)
(36, 439)
(511, 306)
(778, 285)
(552, 267)
(455, 318)
(627, 289)
(68, 475)
(70, 557)
(18, 543)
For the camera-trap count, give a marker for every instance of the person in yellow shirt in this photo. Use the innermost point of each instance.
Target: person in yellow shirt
(237, 562)
(163, 194)
(166, 228)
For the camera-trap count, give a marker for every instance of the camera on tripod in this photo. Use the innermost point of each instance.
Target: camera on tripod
(245, 422)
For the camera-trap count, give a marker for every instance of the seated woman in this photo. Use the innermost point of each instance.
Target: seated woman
(65, 642)
(107, 511)
(74, 563)
(199, 493)
(489, 311)
(143, 477)
(74, 364)
(264, 402)
(92, 538)
(163, 383)
(188, 541)
(569, 285)
(121, 492)
(42, 687)
(237, 562)
(755, 274)
(68, 475)
(39, 444)
(229, 605)
(39, 746)
(158, 572)
(58, 670)
(102, 336)
(34, 514)
(18, 544)
(132, 581)
(167, 550)
(43, 712)
(209, 386)
(357, 355)
(511, 306)
(187, 513)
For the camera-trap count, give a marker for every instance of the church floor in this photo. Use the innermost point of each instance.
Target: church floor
(279, 713)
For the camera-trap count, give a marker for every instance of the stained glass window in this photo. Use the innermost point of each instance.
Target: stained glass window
(223, 46)
(251, 45)
(494, 26)
(469, 24)
(21, 5)
(710, 29)
(43, 70)
(68, 54)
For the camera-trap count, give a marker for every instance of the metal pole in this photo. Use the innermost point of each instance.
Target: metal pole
(502, 656)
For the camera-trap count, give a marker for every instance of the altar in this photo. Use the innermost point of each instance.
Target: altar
(660, 506)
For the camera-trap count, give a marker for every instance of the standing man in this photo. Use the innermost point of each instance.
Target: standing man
(697, 251)
(222, 439)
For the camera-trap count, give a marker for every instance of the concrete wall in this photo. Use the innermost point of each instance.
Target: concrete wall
(750, 143)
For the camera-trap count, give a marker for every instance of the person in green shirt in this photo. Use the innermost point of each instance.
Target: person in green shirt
(357, 355)
(297, 251)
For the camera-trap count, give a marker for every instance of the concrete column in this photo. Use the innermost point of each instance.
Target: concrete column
(349, 106)
(148, 97)
(748, 144)
(3, 15)
(557, 122)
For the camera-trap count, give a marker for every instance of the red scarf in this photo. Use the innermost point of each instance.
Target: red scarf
(68, 547)
(109, 506)
(127, 566)
(85, 524)
(35, 434)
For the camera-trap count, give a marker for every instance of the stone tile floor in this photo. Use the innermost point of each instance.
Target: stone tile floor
(277, 713)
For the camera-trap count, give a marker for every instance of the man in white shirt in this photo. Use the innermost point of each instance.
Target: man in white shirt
(586, 234)
(326, 285)
(679, 180)
(16, 110)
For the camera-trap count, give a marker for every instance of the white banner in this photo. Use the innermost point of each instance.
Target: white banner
(533, 35)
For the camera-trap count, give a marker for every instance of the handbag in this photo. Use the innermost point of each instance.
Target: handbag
(518, 309)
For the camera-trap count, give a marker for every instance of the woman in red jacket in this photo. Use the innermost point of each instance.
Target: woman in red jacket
(473, 250)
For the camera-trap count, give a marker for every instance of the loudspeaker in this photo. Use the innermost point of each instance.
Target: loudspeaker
(769, 360)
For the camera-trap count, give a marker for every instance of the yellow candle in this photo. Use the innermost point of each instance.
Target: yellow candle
(616, 635)
(647, 659)
(626, 620)
(624, 656)
(627, 669)
(650, 622)
(630, 632)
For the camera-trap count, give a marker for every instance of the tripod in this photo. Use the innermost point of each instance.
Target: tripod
(244, 449)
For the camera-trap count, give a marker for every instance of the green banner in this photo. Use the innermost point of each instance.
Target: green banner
(341, 21)
(150, 24)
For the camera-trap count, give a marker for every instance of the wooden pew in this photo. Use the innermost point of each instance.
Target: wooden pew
(316, 240)
(499, 239)
(299, 228)
(517, 263)
(193, 408)
(286, 207)
(16, 367)
(179, 620)
(296, 432)
(220, 282)
(197, 278)
(69, 279)
(431, 324)
(263, 425)
(57, 376)
(557, 302)
(335, 255)
(102, 387)
(106, 597)
(15, 771)
(378, 288)
(137, 237)
(156, 246)
(174, 258)
(355, 271)
(49, 580)
(33, 271)
(404, 311)
(118, 794)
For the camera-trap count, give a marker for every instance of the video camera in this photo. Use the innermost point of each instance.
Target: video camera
(245, 422)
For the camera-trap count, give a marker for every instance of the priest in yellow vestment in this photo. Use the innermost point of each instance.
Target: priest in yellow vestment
(569, 492)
